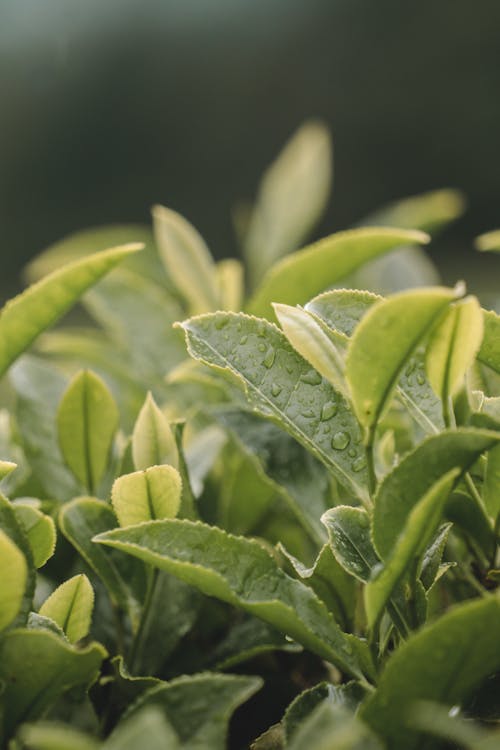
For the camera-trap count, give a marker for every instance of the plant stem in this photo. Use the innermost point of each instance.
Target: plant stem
(138, 644)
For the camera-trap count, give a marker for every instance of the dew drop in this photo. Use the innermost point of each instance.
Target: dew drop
(289, 369)
(268, 360)
(244, 339)
(410, 368)
(276, 389)
(221, 320)
(261, 347)
(311, 377)
(420, 378)
(309, 413)
(359, 463)
(328, 411)
(352, 452)
(261, 329)
(340, 440)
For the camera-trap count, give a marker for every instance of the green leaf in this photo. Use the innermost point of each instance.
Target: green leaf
(453, 346)
(281, 385)
(153, 442)
(242, 573)
(147, 495)
(387, 335)
(428, 211)
(432, 567)
(489, 241)
(416, 473)
(87, 419)
(310, 340)
(13, 581)
(349, 534)
(187, 260)
(40, 530)
(70, 606)
(292, 196)
(342, 309)
(27, 315)
(489, 353)
(421, 525)
(36, 667)
(302, 275)
(443, 663)
(199, 707)
(11, 527)
(491, 487)
(148, 728)
(45, 735)
(331, 727)
(246, 640)
(6, 467)
(81, 520)
(230, 278)
(348, 696)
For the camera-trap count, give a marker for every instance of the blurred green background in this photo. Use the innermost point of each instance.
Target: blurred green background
(109, 106)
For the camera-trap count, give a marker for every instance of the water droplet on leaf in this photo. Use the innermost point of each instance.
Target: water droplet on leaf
(340, 440)
(311, 377)
(328, 411)
(268, 360)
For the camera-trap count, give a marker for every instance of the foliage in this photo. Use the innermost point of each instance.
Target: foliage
(298, 525)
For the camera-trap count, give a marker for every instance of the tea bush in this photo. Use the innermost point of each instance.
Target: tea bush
(287, 540)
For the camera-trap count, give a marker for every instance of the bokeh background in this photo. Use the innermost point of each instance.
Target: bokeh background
(109, 107)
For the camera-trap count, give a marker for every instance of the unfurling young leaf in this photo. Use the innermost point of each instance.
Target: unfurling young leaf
(70, 606)
(40, 530)
(153, 442)
(87, 419)
(13, 579)
(6, 467)
(147, 495)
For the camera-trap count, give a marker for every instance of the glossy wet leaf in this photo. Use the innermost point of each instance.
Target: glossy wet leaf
(453, 346)
(40, 530)
(411, 543)
(187, 260)
(153, 442)
(13, 582)
(349, 535)
(70, 606)
(147, 495)
(199, 707)
(388, 335)
(37, 667)
(348, 696)
(342, 309)
(246, 640)
(417, 472)
(306, 273)
(292, 196)
(240, 572)
(24, 317)
(87, 419)
(443, 662)
(311, 341)
(432, 560)
(331, 726)
(282, 386)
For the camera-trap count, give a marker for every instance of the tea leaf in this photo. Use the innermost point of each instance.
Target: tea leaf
(349, 534)
(40, 530)
(281, 385)
(453, 346)
(36, 667)
(489, 241)
(240, 572)
(491, 487)
(46, 735)
(489, 353)
(187, 260)
(153, 442)
(246, 640)
(421, 524)
(13, 581)
(428, 211)
(431, 562)
(310, 340)
(230, 278)
(147, 495)
(6, 467)
(348, 696)
(331, 726)
(87, 419)
(387, 335)
(199, 707)
(302, 275)
(342, 309)
(70, 606)
(148, 728)
(443, 663)
(11, 527)
(292, 196)
(417, 472)
(23, 318)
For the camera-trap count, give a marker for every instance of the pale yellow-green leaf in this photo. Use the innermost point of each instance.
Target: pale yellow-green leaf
(87, 419)
(310, 340)
(24, 317)
(292, 196)
(70, 606)
(427, 211)
(153, 441)
(489, 241)
(12, 580)
(40, 530)
(383, 342)
(453, 346)
(6, 467)
(147, 495)
(231, 284)
(187, 260)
